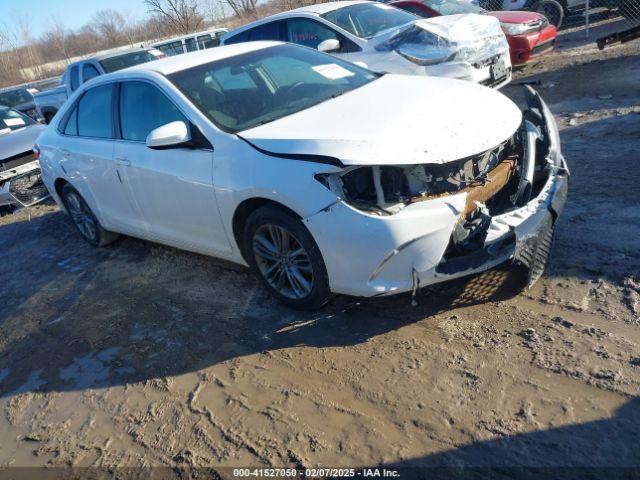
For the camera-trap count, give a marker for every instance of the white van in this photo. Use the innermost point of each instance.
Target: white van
(191, 42)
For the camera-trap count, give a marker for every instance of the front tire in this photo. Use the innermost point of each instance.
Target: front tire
(84, 220)
(551, 9)
(284, 256)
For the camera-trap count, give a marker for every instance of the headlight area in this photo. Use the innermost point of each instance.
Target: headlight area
(432, 222)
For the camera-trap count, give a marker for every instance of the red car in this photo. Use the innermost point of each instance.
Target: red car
(529, 33)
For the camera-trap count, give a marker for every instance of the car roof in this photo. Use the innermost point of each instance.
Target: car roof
(317, 9)
(169, 65)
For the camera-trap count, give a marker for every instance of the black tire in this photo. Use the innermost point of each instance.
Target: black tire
(259, 226)
(551, 9)
(82, 217)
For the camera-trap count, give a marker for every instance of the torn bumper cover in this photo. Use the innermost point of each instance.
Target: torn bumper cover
(445, 236)
(22, 186)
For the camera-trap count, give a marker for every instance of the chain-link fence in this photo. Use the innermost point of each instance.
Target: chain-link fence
(576, 13)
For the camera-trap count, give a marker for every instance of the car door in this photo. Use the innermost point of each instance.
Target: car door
(88, 159)
(173, 188)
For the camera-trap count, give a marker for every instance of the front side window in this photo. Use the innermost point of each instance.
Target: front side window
(258, 87)
(94, 112)
(366, 20)
(136, 122)
(113, 64)
(89, 72)
(309, 33)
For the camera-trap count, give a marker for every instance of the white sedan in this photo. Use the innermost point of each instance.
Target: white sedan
(386, 39)
(320, 175)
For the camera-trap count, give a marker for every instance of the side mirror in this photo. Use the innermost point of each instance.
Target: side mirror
(171, 135)
(329, 45)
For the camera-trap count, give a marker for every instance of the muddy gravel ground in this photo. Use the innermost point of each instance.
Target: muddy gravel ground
(138, 354)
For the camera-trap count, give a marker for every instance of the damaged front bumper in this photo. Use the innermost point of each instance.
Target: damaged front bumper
(373, 255)
(22, 186)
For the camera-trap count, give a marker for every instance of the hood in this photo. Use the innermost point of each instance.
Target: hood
(518, 17)
(19, 141)
(468, 36)
(396, 119)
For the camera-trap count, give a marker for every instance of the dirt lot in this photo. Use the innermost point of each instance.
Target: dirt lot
(140, 354)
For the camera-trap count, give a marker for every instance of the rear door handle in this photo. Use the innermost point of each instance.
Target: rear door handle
(123, 161)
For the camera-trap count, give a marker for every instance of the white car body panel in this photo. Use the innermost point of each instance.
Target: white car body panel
(188, 198)
(416, 119)
(467, 31)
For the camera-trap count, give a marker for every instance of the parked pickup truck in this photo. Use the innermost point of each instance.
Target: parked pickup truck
(49, 102)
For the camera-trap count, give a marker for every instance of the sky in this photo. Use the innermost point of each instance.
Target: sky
(72, 13)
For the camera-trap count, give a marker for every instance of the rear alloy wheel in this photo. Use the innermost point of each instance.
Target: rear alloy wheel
(83, 218)
(286, 259)
(550, 9)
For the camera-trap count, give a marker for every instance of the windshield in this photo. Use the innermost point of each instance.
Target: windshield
(258, 87)
(453, 7)
(15, 97)
(113, 64)
(366, 20)
(11, 120)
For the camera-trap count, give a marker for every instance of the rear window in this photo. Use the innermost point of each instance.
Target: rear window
(113, 64)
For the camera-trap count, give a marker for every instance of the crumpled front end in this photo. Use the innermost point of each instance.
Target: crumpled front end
(468, 47)
(21, 186)
(402, 227)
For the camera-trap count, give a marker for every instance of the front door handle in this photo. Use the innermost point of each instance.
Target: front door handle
(123, 161)
(65, 152)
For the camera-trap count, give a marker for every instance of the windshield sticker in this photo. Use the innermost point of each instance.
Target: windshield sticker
(332, 71)
(14, 122)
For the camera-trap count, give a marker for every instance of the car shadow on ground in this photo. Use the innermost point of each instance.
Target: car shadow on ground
(607, 448)
(87, 318)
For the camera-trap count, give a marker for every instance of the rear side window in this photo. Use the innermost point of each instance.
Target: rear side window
(172, 48)
(136, 122)
(205, 41)
(74, 77)
(72, 123)
(89, 72)
(239, 38)
(268, 31)
(94, 112)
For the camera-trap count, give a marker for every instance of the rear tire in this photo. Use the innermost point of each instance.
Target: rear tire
(551, 9)
(84, 220)
(286, 259)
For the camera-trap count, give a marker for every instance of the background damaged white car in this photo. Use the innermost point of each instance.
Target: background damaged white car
(320, 175)
(20, 183)
(389, 40)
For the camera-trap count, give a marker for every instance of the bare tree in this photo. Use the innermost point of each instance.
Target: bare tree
(243, 8)
(109, 24)
(182, 15)
(215, 11)
(58, 36)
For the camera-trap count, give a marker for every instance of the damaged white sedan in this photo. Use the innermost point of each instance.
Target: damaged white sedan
(386, 39)
(320, 175)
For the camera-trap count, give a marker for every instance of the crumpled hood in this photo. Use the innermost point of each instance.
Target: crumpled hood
(396, 119)
(19, 141)
(468, 36)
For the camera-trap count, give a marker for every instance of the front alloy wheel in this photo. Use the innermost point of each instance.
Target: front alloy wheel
(286, 258)
(283, 261)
